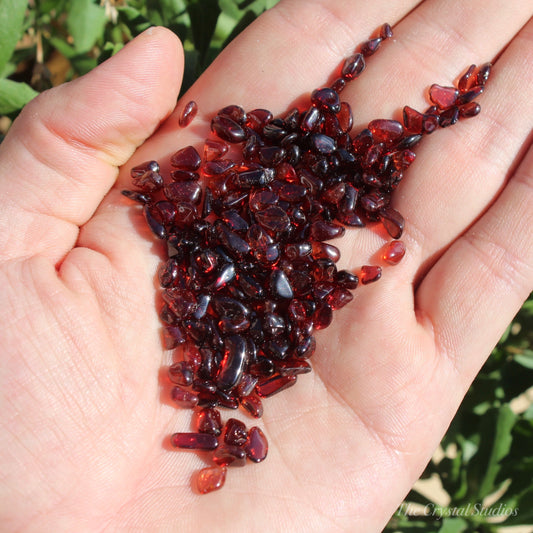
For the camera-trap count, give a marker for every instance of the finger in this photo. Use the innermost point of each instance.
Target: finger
(474, 290)
(61, 155)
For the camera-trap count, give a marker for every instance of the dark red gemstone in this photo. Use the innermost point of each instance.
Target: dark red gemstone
(225, 276)
(227, 129)
(140, 197)
(311, 119)
(229, 455)
(184, 175)
(392, 221)
(470, 95)
(393, 252)
(483, 74)
(181, 373)
(235, 112)
(322, 250)
(195, 441)
(154, 221)
(253, 405)
(211, 478)
(273, 384)
(449, 117)
(234, 362)
(271, 155)
(326, 99)
(385, 131)
(173, 336)
(274, 219)
(214, 149)
(184, 398)
(430, 123)
(322, 144)
(353, 66)
(413, 120)
(257, 445)
(369, 47)
(252, 179)
(292, 367)
(146, 176)
(208, 421)
(345, 117)
(188, 113)
(218, 167)
(234, 432)
(280, 286)
(443, 97)
(183, 191)
(258, 118)
(346, 279)
(323, 316)
(338, 85)
(324, 231)
(186, 159)
(339, 297)
(369, 274)
(385, 31)
(469, 110)
(465, 81)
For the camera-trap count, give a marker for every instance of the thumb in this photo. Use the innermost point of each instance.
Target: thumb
(61, 155)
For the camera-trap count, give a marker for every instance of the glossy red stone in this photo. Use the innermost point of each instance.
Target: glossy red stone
(326, 99)
(234, 362)
(234, 432)
(469, 110)
(353, 66)
(183, 191)
(272, 385)
(229, 455)
(393, 252)
(443, 97)
(211, 478)
(370, 47)
(181, 373)
(235, 112)
(256, 445)
(369, 274)
(385, 131)
(227, 129)
(186, 159)
(393, 221)
(465, 81)
(184, 398)
(208, 420)
(214, 149)
(253, 405)
(188, 113)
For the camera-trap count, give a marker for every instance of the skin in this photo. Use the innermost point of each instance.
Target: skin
(85, 408)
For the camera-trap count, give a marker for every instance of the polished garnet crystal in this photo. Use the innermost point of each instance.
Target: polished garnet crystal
(251, 272)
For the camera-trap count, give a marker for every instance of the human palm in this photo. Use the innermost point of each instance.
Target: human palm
(84, 436)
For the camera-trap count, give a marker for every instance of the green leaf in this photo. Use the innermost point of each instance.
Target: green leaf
(520, 511)
(495, 443)
(11, 24)
(133, 19)
(85, 23)
(453, 525)
(525, 359)
(204, 15)
(14, 96)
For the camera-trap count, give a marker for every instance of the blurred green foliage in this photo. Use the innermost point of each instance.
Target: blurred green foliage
(488, 447)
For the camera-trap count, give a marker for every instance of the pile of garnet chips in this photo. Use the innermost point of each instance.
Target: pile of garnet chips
(251, 270)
